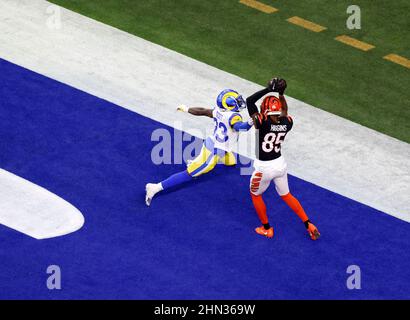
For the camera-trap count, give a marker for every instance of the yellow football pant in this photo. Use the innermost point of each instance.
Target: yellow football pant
(207, 160)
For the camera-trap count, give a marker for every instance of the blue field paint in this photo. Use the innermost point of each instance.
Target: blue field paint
(194, 242)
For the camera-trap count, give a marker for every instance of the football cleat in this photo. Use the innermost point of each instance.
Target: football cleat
(151, 190)
(313, 231)
(263, 232)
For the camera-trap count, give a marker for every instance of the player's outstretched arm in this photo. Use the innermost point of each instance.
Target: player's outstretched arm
(243, 126)
(274, 85)
(251, 101)
(281, 87)
(284, 109)
(196, 111)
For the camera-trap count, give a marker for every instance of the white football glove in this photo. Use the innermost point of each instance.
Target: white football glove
(182, 108)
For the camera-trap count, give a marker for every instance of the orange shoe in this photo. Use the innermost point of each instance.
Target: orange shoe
(313, 231)
(263, 232)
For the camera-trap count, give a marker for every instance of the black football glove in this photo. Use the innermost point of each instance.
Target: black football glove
(272, 84)
(281, 86)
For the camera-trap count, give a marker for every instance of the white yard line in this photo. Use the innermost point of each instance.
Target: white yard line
(34, 211)
(327, 150)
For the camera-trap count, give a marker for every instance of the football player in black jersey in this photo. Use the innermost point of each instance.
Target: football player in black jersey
(272, 124)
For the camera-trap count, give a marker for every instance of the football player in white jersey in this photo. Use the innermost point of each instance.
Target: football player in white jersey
(217, 147)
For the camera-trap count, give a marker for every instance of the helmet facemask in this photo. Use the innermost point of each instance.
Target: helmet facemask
(241, 102)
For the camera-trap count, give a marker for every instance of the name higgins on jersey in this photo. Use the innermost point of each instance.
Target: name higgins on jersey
(279, 127)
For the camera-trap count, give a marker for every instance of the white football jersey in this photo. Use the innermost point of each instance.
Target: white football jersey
(225, 137)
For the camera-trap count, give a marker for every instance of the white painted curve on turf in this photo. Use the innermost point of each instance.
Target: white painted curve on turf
(34, 211)
(324, 149)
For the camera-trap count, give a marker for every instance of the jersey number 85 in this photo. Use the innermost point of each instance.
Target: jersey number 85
(273, 141)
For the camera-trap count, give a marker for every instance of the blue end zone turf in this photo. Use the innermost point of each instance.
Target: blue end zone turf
(193, 243)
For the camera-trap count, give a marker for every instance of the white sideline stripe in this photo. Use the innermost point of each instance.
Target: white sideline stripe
(34, 211)
(324, 149)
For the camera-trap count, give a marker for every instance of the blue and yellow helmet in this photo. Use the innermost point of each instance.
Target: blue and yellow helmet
(230, 100)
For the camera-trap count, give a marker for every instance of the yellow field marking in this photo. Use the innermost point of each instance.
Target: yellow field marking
(259, 6)
(355, 43)
(306, 24)
(398, 59)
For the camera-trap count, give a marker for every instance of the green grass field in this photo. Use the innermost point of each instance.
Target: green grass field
(359, 86)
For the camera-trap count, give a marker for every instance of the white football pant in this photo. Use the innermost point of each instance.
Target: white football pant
(268, 171)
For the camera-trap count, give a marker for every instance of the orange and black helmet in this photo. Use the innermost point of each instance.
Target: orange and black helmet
(271, 105)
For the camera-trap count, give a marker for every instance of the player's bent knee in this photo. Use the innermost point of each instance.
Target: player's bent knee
(201, 171)
(255, 191)
(255, 194)
(282, 191)
(229, 159)
(285, 195)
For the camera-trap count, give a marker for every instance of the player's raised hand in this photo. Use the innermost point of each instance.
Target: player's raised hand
(182, 108)
(277, 85)
(281, 86)
(272, 84)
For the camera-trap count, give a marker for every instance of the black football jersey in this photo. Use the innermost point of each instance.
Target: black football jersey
(270, 136)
